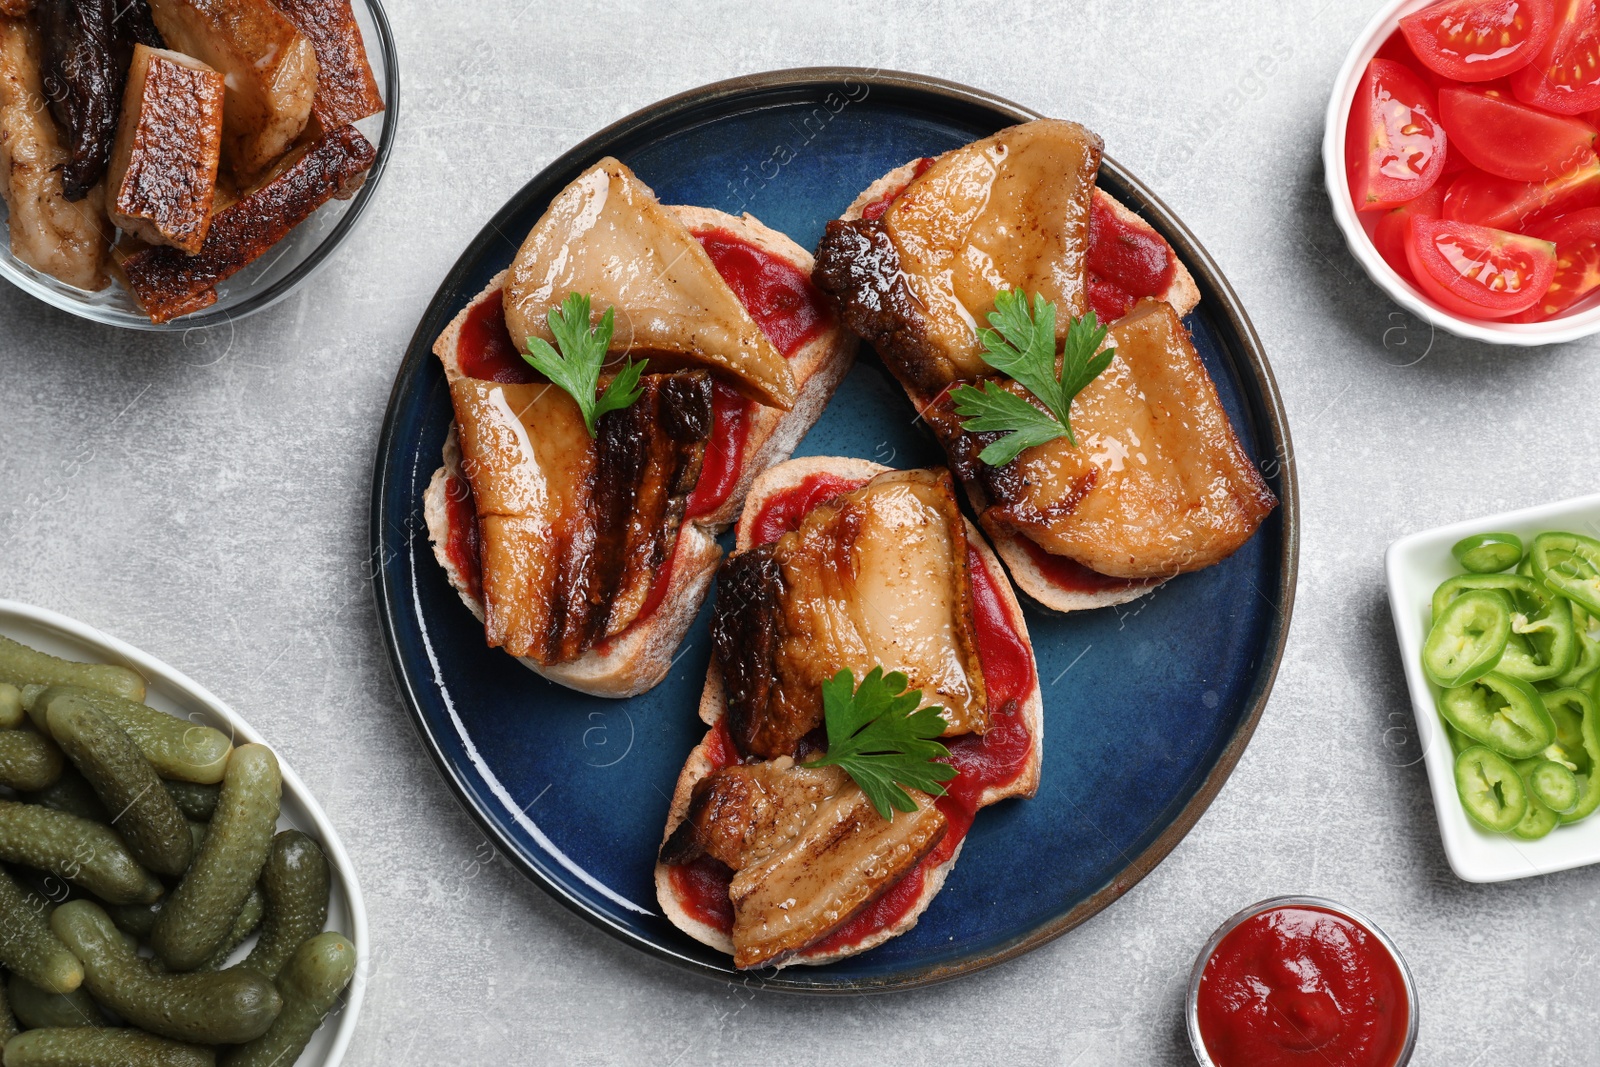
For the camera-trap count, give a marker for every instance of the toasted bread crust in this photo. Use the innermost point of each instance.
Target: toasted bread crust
(639, 658)
(713, 706)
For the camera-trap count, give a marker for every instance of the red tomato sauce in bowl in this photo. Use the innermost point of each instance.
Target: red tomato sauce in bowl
(1300, 981)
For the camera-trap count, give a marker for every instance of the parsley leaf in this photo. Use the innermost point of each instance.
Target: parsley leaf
(877, 735)
(1022, 346)
(576, 366)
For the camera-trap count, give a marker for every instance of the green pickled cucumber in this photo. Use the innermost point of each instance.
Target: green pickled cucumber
(136, 920)
(103, 1048)
(227, 1007)
(311, 984)
(21, 665)
(28, 761)
(176, 748)
(72, 794)
(8, 1022)
(11, 713)
(27, 947)
(197, 802)
(202, 909)
(255, 906)
(37, 1009)
(143, 811)
(84, 853)
(296, 884)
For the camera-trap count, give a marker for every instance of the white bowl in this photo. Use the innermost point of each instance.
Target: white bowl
(172, 692)
(1574, 324)
(1416, 566)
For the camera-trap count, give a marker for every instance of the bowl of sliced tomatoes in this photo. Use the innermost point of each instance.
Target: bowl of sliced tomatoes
(1461, 163)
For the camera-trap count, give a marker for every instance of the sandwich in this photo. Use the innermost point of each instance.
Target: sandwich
(585, 547)
(852, 585)
(1145, 478)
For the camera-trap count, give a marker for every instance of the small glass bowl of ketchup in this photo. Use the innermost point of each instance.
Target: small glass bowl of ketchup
(1301, 980)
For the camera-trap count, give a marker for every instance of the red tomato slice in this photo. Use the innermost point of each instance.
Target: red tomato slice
(1485, 200)
(1564, 77)
(1477, 272)
(1394, 229)
(1512, 140)
(1475, 40)
(1394, 149)
(1577, 239)
(1398, 49)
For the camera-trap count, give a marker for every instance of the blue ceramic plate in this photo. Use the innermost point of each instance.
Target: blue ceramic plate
(1148, 705)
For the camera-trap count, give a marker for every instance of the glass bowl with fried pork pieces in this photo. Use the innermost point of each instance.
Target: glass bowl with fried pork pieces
(173, 164)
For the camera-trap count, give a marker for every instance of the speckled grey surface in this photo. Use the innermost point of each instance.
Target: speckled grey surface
(206, 498)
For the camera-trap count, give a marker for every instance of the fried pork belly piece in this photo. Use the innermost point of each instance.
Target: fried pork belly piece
(346, 91)
(167, 283)
(66, 240)
(1008, 212)
(163, 174)
(83, 76)
(269, 65)
(135, 25)
(607, 235)
(576, 532)
(876, 577)
(807, 848)
(1159, 485)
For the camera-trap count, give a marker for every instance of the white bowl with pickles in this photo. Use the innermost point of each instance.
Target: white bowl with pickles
(81, 727)
(1499, 627)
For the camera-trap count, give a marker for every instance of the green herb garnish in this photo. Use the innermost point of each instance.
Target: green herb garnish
(880, 739)
(1022, 346)
(576, 367)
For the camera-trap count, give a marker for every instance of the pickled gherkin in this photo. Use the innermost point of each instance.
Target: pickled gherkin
(21, 666)
(249, 919)
(11, 713)
(226, 1007)
(197, 802)
(202, 909)
(27, 947)
(28, 761)
(72, 794)
(103, 1048)
(84, 853)
(176, 748)
(296, 885)
(37, 1009)
(311, 984)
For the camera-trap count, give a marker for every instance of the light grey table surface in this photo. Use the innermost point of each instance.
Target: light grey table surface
(205, 497)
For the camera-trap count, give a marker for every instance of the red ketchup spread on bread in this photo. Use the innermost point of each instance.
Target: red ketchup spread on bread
(485, 349)
(876, 209)
(462, 546)
(1069, 574)
(1127, 260)
(983, 761)
(1302, 985)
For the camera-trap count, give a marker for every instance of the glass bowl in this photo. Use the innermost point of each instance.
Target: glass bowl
(288, 264)
(1192, 1008)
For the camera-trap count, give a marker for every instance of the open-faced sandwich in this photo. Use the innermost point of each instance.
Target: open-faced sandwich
(872, 687)
(1101, 464)
(583, 483)
(203, 130)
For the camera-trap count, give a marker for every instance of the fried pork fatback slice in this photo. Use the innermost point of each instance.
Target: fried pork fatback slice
(346, 91)
(68, 241)
(1008, 212)
(270, 67)
(575, 531)
(876, 577)
(806, 846)
(163, 173)
(1158, 485)
(168, 283)
(608, 236)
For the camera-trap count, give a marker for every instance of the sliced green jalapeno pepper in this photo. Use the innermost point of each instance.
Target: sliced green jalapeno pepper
(1537, 821)
(1543, 643)
(1487, 553)
(1586, 628)
(1491, 789)
(1468, 638)
(1550, 782)
(1569, 563)
(1578, 742)
(1505, 713)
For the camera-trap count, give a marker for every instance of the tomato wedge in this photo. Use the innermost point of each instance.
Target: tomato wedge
(1476, 40)
(1486, 200)
(1393, 147)
(1576, 236)
(1477, 272)
(1393, 231)
(1564, 77)
(1512, 140)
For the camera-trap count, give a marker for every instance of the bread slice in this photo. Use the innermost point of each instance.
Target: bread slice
(713, 706)
(637, 659)
(1183, 294)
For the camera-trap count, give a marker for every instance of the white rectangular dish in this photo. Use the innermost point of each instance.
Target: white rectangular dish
(1416, 565)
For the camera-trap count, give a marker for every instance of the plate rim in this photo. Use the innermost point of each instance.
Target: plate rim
(153, 669)
(1224, 304)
